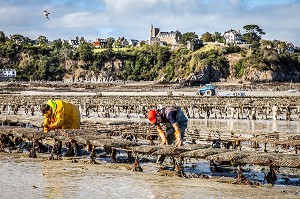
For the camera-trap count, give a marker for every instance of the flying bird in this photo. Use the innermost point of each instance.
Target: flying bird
(46, 13)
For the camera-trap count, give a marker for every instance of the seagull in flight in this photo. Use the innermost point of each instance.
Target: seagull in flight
(46, 13)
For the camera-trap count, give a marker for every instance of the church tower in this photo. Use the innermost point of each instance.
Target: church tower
(153, 31)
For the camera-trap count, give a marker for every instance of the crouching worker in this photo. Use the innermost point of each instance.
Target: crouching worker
(60, 114)
(175, 123)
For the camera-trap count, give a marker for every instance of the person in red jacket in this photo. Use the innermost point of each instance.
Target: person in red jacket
(175, 122)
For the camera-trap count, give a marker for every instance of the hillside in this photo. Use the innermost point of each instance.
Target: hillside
(266, 62)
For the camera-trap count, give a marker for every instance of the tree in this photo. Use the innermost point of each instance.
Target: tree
(56, 44)
(27, 40)
(253, 33)
(110, 42)
(42, 40)
(2, 36)
(117, 43)
(217, 37)
(18, 39)
(66, 51)
(188, 36)
(85, 51)
(82, 40)
(207, 37)
(10, 50)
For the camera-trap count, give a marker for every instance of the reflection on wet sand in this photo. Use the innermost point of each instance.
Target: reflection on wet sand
(248, 125)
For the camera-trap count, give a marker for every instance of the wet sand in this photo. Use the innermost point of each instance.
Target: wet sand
(21, 177)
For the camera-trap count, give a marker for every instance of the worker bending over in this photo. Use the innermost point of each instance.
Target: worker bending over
(60, 114)
(175, 123)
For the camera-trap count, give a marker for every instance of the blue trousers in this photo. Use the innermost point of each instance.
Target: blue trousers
(182, 121)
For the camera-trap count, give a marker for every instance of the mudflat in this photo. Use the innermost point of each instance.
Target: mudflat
(21, 176)
(41, 178)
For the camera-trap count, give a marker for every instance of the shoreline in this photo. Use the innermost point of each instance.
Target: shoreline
(145, 88)
(158, 93)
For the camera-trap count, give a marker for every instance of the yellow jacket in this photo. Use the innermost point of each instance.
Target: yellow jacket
(64, 116)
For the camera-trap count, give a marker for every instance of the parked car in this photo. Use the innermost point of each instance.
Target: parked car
(207, 90)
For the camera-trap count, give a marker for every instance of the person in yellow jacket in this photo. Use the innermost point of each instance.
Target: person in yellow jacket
(59, 114)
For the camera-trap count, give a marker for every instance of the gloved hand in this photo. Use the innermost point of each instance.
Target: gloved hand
(46, 127)
(178, 140)
(162, 136)
(52, 126)
(49, 127)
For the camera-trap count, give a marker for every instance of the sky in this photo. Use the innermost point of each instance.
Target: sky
(132, 19)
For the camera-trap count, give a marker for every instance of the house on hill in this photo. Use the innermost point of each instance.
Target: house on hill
(6, 74)
(124, 42)
(74, 43)
(100, 43)
(194, 44)
(121, 42)
(172, 38)
(133, 42)
(233, 37)
(290, 47)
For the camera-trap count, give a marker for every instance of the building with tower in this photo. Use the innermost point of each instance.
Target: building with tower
(164, 38)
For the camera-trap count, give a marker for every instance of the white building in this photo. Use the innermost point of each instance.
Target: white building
(8, 73)
(233, 37)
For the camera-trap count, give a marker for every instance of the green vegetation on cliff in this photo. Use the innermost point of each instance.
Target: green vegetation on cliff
(58, 60)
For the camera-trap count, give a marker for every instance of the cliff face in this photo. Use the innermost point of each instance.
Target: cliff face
(268, 70)
(111, 71)
(254, 75)
(108, 73)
